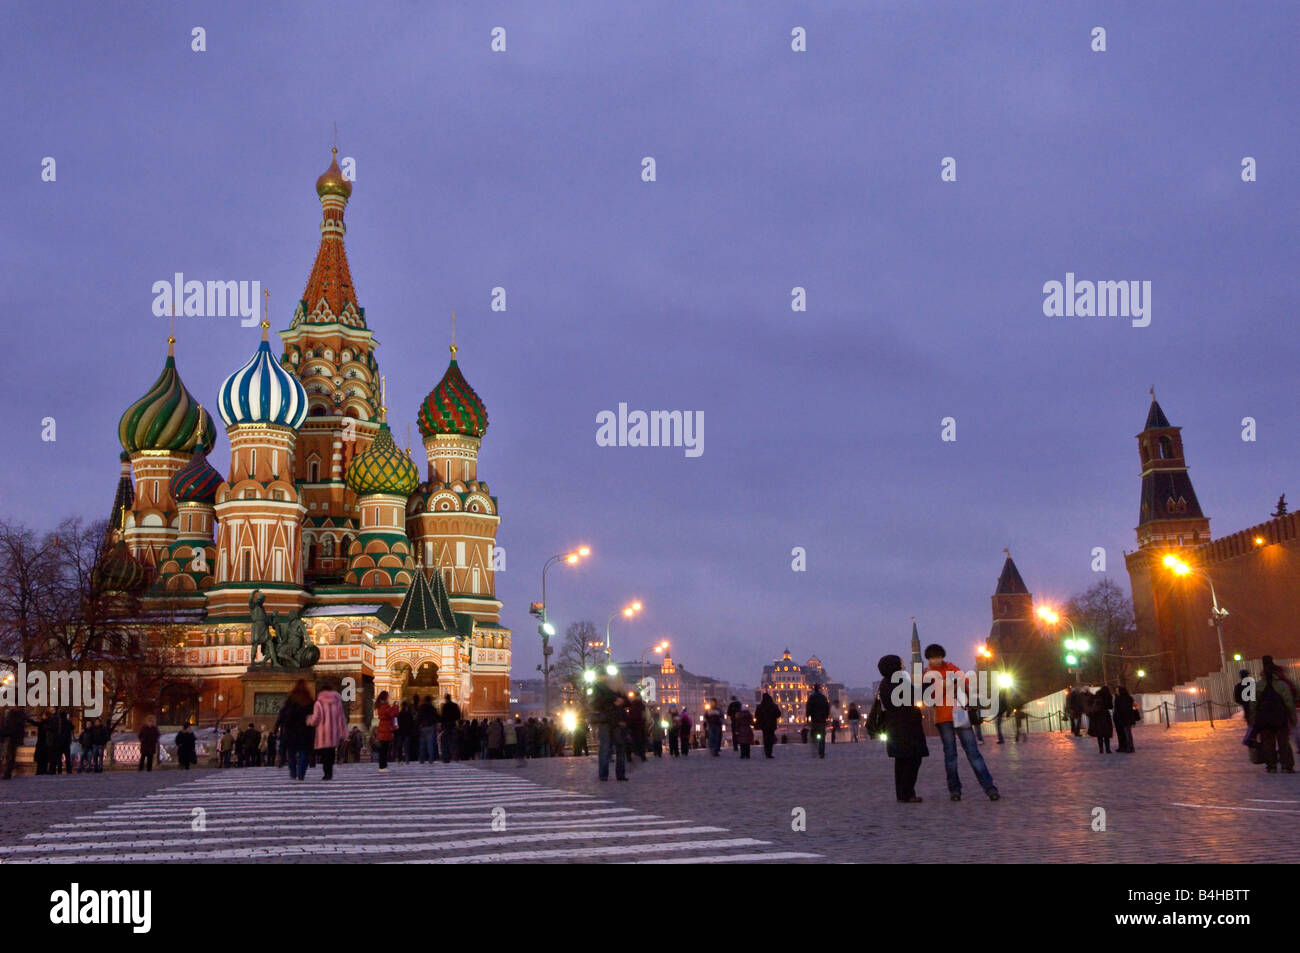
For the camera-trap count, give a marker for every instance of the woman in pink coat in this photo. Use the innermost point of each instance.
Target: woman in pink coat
(331, 725)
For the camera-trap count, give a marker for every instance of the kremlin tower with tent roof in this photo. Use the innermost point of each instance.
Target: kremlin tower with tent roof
(319, 511)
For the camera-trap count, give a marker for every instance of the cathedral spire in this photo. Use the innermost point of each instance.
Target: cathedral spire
(330, 297)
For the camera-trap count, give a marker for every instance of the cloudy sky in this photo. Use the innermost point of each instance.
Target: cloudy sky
(775, 169)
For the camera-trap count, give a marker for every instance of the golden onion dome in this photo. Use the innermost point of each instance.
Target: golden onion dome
(332, 181)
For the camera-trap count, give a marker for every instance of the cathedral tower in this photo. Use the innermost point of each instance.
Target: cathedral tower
(452, 518)
(330, 349)
(258, 508)
(383, 478)
(159, 432)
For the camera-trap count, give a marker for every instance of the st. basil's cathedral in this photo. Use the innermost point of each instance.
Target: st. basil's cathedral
(320, 511)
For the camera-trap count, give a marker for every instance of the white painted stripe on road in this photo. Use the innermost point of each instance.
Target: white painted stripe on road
(579, 852)
(308, 849)
(280, 818)
(207, 839)
(484, 823)
(730, 858)
(1225, 807)
(1269, 800)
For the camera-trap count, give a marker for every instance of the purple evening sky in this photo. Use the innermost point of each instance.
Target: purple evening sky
(775, 169)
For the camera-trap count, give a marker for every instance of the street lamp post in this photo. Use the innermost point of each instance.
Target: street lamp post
(657, 647)
(544, 628)
(628, 611)
(1217, 612)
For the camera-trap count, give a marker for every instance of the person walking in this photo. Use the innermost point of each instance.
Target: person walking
(185, 745)
(733, 710)
(226, 746)
(903, 727)
(385, 726)
(854, 717)
(450, 717)
(1274, 718)
(331, 724)
(87, 741)
(64, 753)
(1004, 709)
(606, 705)
(817, 711)
(427, 720)
(15, 730)
(657, 732)
(1074, 707)
(685, 726)
(768, 717)
(743, 731)
(148, 735)
(713, 726)
(953, 723)
(1100, 723)
(103, 735)
(405, 733)
(674, 732)
(636, 727)
(1126, 716)
(296, 735)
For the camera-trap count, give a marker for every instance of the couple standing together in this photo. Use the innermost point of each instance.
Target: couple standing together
(900, 719)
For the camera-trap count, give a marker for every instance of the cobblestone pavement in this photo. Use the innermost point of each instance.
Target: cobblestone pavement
(1188, 794)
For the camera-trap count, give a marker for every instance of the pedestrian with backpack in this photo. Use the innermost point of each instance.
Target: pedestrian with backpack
(1274, 718)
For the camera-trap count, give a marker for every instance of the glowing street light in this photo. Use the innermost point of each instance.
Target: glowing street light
(628, 611)
(1004, 680)
(1217, 612)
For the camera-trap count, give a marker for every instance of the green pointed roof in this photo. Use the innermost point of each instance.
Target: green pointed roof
(426, 607)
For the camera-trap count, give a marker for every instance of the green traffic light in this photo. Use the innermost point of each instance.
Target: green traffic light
(1071, 660)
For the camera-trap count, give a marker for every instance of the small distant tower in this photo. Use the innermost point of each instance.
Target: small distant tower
(916, 648)
(1170, 515)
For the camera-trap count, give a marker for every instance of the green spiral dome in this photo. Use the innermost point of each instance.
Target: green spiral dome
(382, 468)
(166, 418)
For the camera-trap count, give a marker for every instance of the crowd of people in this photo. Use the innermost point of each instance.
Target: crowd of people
(313, 731)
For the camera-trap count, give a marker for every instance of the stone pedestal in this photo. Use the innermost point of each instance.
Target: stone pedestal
(265, 690)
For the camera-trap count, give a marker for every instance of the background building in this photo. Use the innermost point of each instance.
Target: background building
(1255, 571)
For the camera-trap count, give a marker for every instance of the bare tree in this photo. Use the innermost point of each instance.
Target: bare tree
(577, 653)
(56, 612)
(1103, 614)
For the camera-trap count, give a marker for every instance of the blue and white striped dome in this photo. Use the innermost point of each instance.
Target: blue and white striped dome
(263, 392)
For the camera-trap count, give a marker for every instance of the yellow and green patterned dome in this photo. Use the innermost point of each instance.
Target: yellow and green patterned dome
(382, 468)
(167, 417)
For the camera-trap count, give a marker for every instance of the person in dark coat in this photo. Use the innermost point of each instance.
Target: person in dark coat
(185, 754)
(297, 737)
(1100, 724)
(148, 744)
(1126, 716)
(768, 717)
(904, 728)
(818, 712)
(450, 717)
(732, 711)
(1074, 706)
(743, 730)
(15, 730)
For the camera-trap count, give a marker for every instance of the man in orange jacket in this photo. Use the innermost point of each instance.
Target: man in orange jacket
(954, 724)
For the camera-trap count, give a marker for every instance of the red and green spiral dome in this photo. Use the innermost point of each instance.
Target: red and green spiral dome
(452, 407)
